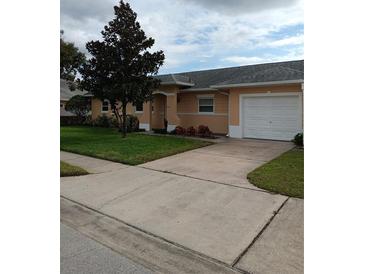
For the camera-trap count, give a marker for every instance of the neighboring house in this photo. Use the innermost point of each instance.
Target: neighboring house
(65, 95)
(263, 101)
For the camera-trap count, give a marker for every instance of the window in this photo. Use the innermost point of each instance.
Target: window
(105, 106)
(206, 105)
(139, 107)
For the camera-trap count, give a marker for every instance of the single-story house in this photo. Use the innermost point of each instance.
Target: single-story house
(263, 101)
(65, 94)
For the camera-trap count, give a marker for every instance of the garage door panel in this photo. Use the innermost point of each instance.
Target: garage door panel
(271, 117)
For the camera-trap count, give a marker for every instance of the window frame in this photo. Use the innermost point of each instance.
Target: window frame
(102, 106)
(138, 111)
(210, 97)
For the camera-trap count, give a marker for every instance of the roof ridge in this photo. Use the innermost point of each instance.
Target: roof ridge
(269, 63)
(292, 69)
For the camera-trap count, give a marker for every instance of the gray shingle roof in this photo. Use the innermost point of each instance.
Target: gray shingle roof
(177, 79)
(64, 112)
(66, 93)
(269, 72)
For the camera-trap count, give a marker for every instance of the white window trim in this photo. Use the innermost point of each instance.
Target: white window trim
(208, 96)
(135, 109)
(105, 111)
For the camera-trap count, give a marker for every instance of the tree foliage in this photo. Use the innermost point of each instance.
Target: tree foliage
(121, 67)
(79, 105)
(70, 59)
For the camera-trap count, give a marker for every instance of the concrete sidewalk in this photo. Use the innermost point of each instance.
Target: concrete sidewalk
(92, 165)
(280, 248)
(231, 224)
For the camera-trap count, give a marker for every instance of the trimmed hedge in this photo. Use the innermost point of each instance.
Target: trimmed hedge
(71, 121)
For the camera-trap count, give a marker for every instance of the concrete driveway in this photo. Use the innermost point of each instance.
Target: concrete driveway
(227, 162)
(207, 206)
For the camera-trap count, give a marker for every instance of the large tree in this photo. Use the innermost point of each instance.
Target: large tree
(70, 59)
(121, 68)
(79, 105)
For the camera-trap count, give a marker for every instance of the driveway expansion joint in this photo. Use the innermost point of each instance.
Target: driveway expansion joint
(238, 258)
(230, 156)
(207, 180)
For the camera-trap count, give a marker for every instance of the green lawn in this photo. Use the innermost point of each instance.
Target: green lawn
(136, 148)
(70, 170)
(284, 175)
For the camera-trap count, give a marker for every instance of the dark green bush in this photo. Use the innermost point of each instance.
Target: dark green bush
(132, 123)
(106, 121)
(88, 121)
(103, 121)
(71, 121)
(299, 139)
(160, 130)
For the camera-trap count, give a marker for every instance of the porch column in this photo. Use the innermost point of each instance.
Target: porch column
(145, 120)
(171, 111)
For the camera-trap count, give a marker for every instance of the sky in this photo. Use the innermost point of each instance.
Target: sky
(200, 34)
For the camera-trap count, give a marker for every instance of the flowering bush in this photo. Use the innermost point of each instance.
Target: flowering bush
(180, 130)
(190, 131)
(204, 131)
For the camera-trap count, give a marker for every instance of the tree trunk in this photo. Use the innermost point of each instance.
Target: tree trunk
(124, 122)
(119, 119)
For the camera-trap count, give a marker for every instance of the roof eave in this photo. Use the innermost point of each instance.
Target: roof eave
(198, 89)
(271, 83)
(178, 83)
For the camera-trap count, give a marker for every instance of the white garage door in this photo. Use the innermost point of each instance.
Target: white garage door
(271, 117)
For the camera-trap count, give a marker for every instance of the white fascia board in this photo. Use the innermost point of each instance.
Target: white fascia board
(198, 89)
(177, 83)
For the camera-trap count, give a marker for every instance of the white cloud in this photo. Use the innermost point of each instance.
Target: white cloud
(250, 60)
(289, 41)
(190, 32)
(241, 6)
(242, 60)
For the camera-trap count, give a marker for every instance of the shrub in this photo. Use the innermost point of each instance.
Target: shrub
(88, 121)
(106, 121)
(173, 132)
(103, 121)
(298, 139)
(190, 131)
(132, 123)
(180, 130)
(71, 120)
(79, 105)
(114, 122)
(204, 131)
(159, 130)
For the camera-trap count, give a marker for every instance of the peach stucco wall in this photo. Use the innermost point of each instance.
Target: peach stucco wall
(216, 123)
(96, 106)
(188, 111)
(159, 109)
(188, 102)
(234, 105)
(181, 108)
